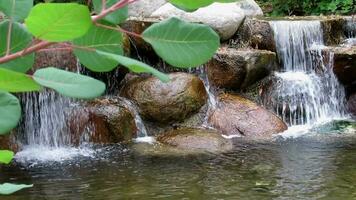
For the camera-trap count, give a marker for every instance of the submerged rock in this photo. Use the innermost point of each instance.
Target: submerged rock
(238, 69)
(225, 18)
(239, 116)
(194, 139)
(168, 102)
(102, 121)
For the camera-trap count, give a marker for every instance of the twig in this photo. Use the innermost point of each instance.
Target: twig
(8, 39)
(119, 29)
(103, 5)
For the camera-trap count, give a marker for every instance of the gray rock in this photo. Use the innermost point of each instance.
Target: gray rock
(144, 8)
(225, 18)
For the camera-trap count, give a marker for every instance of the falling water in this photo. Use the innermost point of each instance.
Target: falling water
(350, 33)
(307, 91)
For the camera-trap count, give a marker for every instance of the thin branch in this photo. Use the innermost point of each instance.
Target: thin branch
(119, 29)
(44, 44)
(103, 5)
(113, 8)
(8, 39)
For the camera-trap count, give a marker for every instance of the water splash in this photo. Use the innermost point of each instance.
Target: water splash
(307, 91)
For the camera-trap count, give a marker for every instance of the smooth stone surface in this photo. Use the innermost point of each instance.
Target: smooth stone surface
(144, 8)
(225, 18)
(250, 8)
(235, 115)
(240, 68)
(102, 121)
(168, 102)
(195, 139)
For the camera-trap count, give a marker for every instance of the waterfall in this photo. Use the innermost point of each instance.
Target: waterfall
(350, 33)
(306, 91)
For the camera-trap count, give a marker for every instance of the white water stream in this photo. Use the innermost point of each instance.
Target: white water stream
(307, 93)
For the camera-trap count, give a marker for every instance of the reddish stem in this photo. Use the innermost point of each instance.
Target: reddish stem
(119, 29)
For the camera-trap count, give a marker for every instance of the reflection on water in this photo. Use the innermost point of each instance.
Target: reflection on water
(319, 166)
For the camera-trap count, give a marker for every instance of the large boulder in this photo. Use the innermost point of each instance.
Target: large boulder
(250, 8)
(102, 121)
(256, 33)
(168, 102)
(239, 116)
(194, 139)
(144, 8)
(225, 18)
(240, 68)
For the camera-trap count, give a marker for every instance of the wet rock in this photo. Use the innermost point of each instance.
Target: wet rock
(102, 121)
(63, 59)
(144, 8)
(7, 142)
(225, 18)
(345, 66)
(239, 116)
(168, 102)
(195, 139)
(240, 68)
(256, 33)
(333, 29)
(351, 104)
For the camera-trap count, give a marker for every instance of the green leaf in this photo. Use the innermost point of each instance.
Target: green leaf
(101, 39)
(9, 188)
(10, 112)
(182, 44)
(16, 9)
(189, 5)
(116, 17)
(69, 84)
(11, 81)
(6, 156)
(135, 66)
(20, 39)
(58, 22)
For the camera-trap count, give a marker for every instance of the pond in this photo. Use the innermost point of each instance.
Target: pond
(319, 164)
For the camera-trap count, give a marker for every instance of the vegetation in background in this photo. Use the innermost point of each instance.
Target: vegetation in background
(307, 7)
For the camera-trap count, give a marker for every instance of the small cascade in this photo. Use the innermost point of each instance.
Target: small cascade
(350, 33)
(306, 90)
(142, 133)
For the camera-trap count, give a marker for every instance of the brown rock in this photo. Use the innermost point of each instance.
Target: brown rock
(257, 33)
(238, 69)
(102, 121)
(195, 139)
(237, 115)
(168, 102)
(351, 104)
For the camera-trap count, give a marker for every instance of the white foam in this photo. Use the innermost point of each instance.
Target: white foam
(231, 136)
(146, 139)
(41, 154)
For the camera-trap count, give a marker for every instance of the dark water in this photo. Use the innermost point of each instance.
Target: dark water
(322, 166)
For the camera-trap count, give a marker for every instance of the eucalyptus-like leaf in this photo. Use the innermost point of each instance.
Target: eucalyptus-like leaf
(58, 22)
(116, 17)
(135, 65)
(190, 6)
(69, 84)
(10, 112)
(12, 81)
(102, 39)
(182, 44)
(20, 39)
(16, 10)
(9, 188)
(6, 156)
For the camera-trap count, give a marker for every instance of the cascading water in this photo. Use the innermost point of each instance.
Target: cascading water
(350, 33)
(307, 91)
